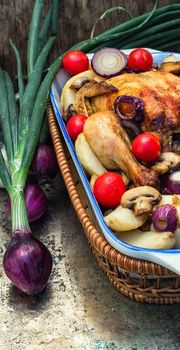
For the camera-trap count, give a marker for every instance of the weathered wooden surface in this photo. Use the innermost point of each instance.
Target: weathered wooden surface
(76, 18)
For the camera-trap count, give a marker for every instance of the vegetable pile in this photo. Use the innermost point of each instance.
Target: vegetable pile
(27, 262)
(140, 215)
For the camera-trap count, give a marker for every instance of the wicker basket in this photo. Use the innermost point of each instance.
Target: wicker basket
(138, 279)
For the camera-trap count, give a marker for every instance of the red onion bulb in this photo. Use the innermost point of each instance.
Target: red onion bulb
(44, 161)
(129, 107)
(36, 201)
(27, 262)
(109, 62)
(165, 218)
(171, 182)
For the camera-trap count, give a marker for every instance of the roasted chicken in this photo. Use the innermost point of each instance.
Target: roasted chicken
(112, 147)
(160, 92)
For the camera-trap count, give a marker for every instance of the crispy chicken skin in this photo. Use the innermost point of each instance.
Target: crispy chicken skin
(112, 147)
(159, 90)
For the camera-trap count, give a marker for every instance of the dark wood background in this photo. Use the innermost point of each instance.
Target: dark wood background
(76, 18)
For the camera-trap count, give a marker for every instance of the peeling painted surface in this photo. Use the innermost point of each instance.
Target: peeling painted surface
(79, 309)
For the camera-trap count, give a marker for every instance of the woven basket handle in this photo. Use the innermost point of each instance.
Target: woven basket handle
(106, 13)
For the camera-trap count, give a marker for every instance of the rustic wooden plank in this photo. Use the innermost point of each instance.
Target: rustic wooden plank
(76, 19)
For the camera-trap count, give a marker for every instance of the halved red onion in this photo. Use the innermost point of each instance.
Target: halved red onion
(129, 107)
(171, 182)
(165, 218)
(109, 62)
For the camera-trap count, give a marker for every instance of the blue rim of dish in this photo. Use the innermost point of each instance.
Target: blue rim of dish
(85, 182)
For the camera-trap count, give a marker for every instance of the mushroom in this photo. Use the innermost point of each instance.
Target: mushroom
(166, 162)
(79, 82)
(140, 199)
(71, 87)
(88, 90)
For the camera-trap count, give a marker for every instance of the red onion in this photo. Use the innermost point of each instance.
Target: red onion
(44, 161)
(36, 202)
(165, 218)
(27, 262)
(133, 106)
(109, 62)
(171, 182)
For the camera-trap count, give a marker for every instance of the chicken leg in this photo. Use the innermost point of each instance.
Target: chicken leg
(111, 145)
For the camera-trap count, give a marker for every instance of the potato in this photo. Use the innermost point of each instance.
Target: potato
(123, 219)
(148, 239)
(68, 98)
(87, 158)
(69, 92)
(93, 179)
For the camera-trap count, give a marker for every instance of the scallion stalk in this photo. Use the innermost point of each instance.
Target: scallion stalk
(20, 135)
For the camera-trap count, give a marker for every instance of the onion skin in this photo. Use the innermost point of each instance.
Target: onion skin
(27, 262)
(165, 218)
(44, 161)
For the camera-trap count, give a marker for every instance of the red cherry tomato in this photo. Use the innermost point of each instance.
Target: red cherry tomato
(75, 125)
(75, 62)
(108, 189)
(140, 59)
(146, 147)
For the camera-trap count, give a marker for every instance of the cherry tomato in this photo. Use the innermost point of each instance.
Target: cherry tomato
(75, 125)
(75, 62)
(146, 147)
(140, 59)
(108, 189)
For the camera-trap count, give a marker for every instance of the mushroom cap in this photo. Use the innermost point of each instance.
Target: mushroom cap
(141, 199)
(166, 162)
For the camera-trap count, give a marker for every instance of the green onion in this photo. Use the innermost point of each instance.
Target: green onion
(20, 75)
(33, 35)
(20, 136)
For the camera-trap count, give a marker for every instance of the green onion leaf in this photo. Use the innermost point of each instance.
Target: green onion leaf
(37, 115)
(32, 87)
(4, 174)
(32, 50)
(107, 12)
(8, 115)
(54, 16)
(19, 72)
